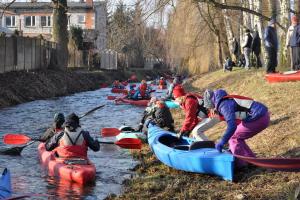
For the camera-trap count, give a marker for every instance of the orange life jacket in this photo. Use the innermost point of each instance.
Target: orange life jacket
(72, 145)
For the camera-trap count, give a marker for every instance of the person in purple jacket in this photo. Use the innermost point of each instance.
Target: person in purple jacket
(254, 117)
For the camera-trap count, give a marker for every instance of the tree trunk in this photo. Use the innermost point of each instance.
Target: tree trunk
(228, 28)
(258, 21)
(219, 48)
(60, 32)
(297, 7)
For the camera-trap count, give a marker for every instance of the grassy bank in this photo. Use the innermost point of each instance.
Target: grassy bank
(20, 87)
(281, 139)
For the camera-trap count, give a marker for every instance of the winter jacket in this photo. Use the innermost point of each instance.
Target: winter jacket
(248, 41)
(49, 133)
(256, 43)
(191, 108)
(270, 37)
(295, 37)
(228, 108)
(72, 144)
(141, 94)
(289, 35)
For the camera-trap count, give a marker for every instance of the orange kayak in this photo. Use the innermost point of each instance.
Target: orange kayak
(74, 170)
(283, 77)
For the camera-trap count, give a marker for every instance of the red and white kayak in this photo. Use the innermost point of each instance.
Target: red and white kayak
(283, 77)
(73, 170)
(143, 102)
(116, 90)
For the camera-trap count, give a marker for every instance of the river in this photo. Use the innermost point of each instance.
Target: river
(113, 164)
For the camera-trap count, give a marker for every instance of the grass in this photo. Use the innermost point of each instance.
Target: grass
(154, 180)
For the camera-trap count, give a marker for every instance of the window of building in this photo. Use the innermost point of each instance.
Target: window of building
(45, 21)
(81, 19)
(30, 21)
(10, 21)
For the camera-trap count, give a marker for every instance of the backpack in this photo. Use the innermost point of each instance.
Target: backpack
(243, 105)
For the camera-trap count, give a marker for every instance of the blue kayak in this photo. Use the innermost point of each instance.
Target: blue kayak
(5, 184)
(187, 155)
(172, 104)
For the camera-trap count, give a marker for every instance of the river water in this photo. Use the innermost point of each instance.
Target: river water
(113, 164)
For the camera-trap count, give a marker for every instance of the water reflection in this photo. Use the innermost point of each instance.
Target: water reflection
(112, 163)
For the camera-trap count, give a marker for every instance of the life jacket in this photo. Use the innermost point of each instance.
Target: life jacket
(162, 82)
(243, 105)
(202, 111)
(143, 90)
(72, 145)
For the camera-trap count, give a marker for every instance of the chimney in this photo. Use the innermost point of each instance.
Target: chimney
(89, 2)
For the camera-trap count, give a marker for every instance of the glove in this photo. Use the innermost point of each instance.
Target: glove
(150, 121)
(219, 146)
(140, 127)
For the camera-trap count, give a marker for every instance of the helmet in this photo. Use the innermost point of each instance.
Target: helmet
(59, 117)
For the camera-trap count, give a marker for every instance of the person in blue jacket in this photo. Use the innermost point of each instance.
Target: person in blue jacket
(254, 117)
(271, 43)
(142, 92)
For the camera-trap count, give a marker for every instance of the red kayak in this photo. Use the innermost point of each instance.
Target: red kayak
(143, 102)
(116, 90)
(74, 170)
(283, 77)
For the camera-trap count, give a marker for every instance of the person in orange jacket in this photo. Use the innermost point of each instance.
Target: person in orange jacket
(73, 142)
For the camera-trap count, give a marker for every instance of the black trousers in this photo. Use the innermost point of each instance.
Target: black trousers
(296, 58)
(272, 59)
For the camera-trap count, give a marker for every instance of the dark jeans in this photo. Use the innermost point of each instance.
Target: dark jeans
(258, 63)
(296, 58)
(272, 59)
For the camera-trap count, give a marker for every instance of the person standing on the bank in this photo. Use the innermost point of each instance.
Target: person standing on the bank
(247, 47)
(294, 43)
(235, 49)
(271, 43)
(256, 47)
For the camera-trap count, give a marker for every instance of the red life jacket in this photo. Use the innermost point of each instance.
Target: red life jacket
(72, 146)
(162, 82)
(143, 89)
(243, 108)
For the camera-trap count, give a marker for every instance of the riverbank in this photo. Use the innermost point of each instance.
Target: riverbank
(21, 87)
(154, 180)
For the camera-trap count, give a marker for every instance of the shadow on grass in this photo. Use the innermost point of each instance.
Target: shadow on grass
(278, 120)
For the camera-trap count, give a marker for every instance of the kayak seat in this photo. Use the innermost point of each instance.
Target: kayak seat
(202, 144)
(171, 141)
(76, 161)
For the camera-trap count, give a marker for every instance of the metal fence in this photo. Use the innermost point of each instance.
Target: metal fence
(24, 53)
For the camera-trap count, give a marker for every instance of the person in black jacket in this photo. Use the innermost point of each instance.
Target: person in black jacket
(56, 127)
(247, 48)
(295, 44)
(271, 43)
(256, 47)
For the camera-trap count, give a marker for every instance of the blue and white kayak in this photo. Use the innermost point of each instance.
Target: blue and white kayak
(178, 154)
(5, 185)
(172, 104)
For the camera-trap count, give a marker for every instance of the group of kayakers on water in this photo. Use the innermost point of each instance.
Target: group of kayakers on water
(244, 117)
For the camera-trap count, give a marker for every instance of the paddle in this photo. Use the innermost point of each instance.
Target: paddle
(18, 150)
(110, 132)
(111, 97)
(127, 143)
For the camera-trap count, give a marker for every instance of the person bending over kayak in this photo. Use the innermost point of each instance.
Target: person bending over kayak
(196, 119)
(131, 92)
(142, 91)
(254, 118)
(59, 119)
(73, 142)
(159, 113)
(116, 84)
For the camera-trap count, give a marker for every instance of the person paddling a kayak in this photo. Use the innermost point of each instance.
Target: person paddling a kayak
(73, 142)
(116, 84)
(143, 91)
(254, 117)
(59, 119)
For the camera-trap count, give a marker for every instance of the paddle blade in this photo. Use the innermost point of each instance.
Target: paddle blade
(15, 139)
(111, 97)
(110, 132)
(129, 143)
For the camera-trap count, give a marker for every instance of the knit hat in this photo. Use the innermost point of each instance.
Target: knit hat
(178, 91)
(294, 20)
(207, 99)
(72, 121)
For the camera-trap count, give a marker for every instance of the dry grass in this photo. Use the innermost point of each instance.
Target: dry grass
(157, 181)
